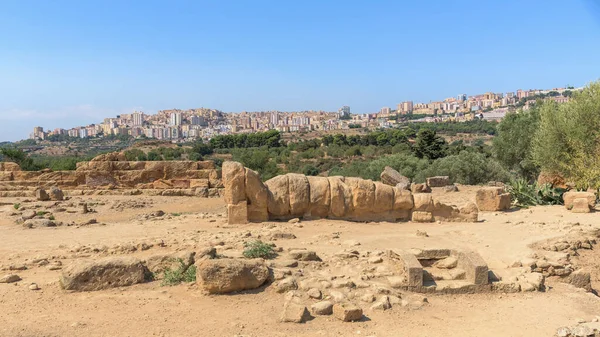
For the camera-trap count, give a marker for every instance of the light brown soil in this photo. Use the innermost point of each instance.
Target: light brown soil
(152, 310)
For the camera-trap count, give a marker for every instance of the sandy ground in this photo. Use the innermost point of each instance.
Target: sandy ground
(191, 223)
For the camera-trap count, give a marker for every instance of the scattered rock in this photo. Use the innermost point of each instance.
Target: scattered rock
(287, 284)
(451, 188)
(10, 278)
(41, 195)
(294, 312)
(103, 274)
(347, 312)
(294, 220)
(314, 293)
(438, 181)
(375, 260)
(34, 286)
(56, 194)
(35, 223)
(447, 263)
(422, 233)
(222, 276)
(383, 303)
(391, 177)
(322, 308)
(304, 255)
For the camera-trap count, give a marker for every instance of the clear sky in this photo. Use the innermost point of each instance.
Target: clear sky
(68, 63)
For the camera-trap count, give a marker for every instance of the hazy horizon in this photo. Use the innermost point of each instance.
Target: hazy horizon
(71, 63)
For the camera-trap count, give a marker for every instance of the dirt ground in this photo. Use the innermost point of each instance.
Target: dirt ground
(150, 309)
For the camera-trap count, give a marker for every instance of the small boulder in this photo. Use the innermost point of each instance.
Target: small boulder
(420, 188)
(304, 255)
(10, 278)
(41, 195)
(222, 276)
(347, 312)
(34, 223)
(451, 188)
(447, 263)
(391, 177)
(581, 279)
(294, 312)
(492, 199)
(314, 293)
(56, 194)
(287, 284)
(383, 303)
(322, 308)
(103, 274)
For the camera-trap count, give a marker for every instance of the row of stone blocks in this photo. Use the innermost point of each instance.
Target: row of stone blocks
(144, 175)
(296, 195)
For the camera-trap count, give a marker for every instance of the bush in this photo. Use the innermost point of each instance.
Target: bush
(258, 249)
(566, 142)
(181, 274)
(310, 170)
(258, 160)
(469, 168)
(16, 205)
(512, 146)
(429, 145)
(524, 194)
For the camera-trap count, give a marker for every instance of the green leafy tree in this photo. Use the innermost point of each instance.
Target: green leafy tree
(513, 144)
(567, 141)
(429, 145)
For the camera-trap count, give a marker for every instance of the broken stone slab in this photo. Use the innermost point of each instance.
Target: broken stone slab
(220, 276)
(569, 198)
(581, 205)
(102, 274)
(304, 255)
(294, 312)
(347, 312)
(237, 214)
(391, 177)
(476, 270)
(10, 278)
(322, 308)
(438, 181)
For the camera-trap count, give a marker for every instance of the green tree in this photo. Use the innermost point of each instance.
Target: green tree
(567, 141)
(429, 145)
(513, 144)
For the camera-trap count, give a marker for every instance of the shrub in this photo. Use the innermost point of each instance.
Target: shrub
(524, 194)
(512, 146)
(470, 168)
(310, 170)
(258, 249)
(181, 274)
(51, 218)
(16, 205)
(567, 140)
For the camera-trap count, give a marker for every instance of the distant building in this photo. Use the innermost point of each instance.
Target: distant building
(344, 112)
(275, 118)
(176, 118)
(83, 133)
(405, 107)
(38, 133)
(385, 110)
(461, 97)
(138, 118)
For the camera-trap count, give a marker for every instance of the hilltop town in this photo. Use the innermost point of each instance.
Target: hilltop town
(180, 125)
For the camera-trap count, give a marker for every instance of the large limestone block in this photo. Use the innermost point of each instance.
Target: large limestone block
(121, 165)
(6, 176)
(423, 202)
(237, 214)
(581, 205)
(384, 198)
(341, 197)
(257, 195)
(391, 177)
(102, 274)
(451, 213)
(474, 266)
(228, 275)
(178, 169)
(101, 166)
(299, 194)
(420, 188)
(569, 198)
(363, 194)
(403, 199)
(234, 179)
(422, 216)
(320, 197)
(492, 199)
(278, 199)
(438, 181)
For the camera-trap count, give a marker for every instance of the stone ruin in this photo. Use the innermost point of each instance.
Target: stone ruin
(112, 173)
(345, 198)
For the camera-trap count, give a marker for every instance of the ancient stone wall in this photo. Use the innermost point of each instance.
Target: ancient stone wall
(112, 172)
(295, 195)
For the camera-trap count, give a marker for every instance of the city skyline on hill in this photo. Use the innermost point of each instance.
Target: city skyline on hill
(74, 63)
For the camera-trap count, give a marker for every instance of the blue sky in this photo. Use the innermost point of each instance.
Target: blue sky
(68, 63)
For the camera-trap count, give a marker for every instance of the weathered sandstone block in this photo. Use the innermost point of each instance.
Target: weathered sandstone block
(228, 275)
(492, 199)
